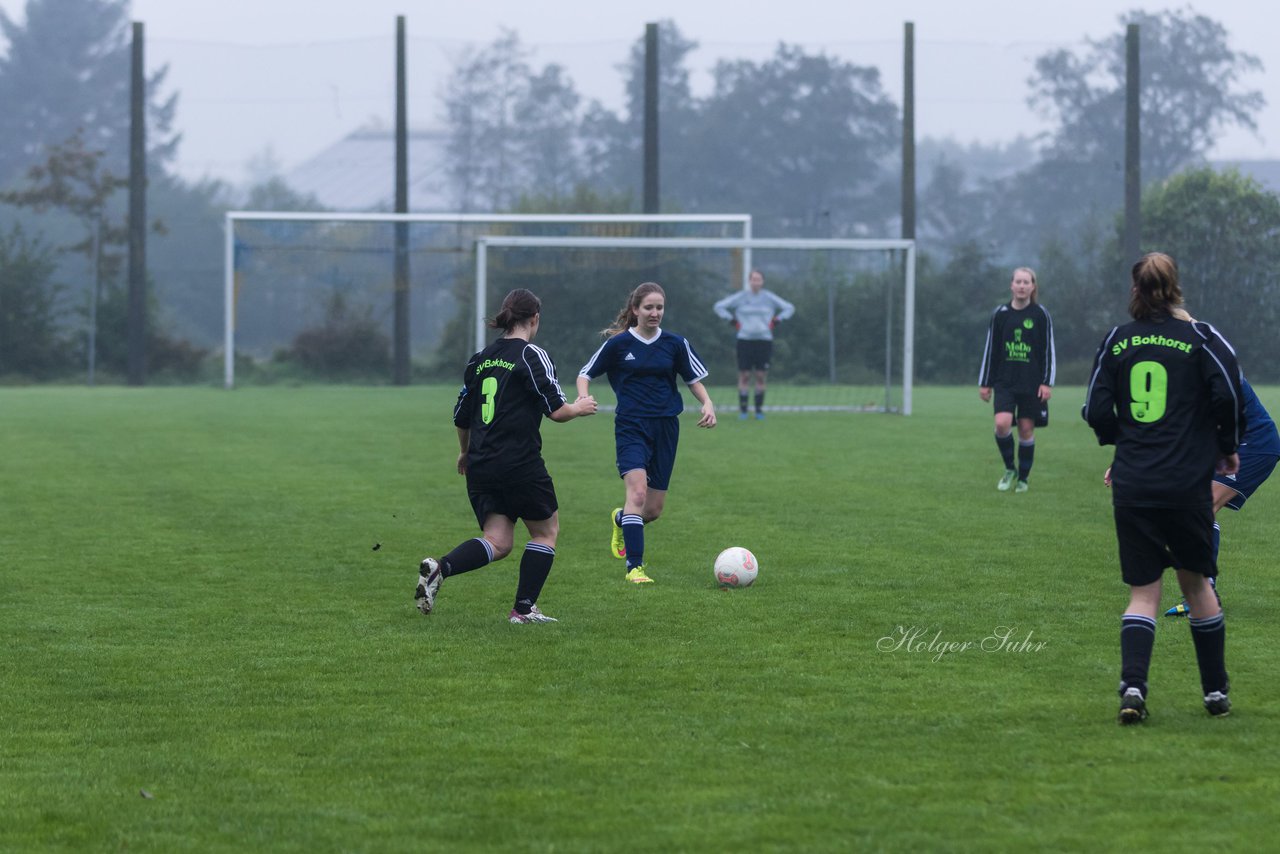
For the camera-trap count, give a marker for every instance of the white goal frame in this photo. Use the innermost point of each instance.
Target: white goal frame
(746, 244)
(742, 221)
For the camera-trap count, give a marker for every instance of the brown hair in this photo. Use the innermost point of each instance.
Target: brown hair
(1035, 287)
(518, 307)
(626, 318)
(1155, 287)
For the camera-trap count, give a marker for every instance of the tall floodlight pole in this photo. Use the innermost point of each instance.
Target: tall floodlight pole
(137, 322)
(909, 132)
(1132, 150)
(400, 347)
(908, 186)
(652, 203)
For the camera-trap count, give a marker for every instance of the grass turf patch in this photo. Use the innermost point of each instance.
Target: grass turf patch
(194, 607)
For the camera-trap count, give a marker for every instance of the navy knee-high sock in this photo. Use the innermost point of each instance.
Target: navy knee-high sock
(633, 536)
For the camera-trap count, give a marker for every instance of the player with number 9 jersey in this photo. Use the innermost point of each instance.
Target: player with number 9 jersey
(1167, 393)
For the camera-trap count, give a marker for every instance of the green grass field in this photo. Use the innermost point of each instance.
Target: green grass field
(193, 608)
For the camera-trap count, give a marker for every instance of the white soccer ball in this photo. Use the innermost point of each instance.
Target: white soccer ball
(736, 567)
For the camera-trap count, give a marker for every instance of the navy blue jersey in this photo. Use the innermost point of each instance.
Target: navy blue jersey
(643, 373)
(1260, 437)
(1166, 393)
(506, 389)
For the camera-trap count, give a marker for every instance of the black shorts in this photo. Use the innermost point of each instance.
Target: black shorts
(754, 355)
(533, 500)
(1152, 539)
(1022, 406)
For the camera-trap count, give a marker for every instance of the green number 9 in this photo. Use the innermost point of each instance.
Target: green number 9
(1148, 391)
(489, 388)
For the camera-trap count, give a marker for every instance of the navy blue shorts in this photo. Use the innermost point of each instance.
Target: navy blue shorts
(1154, 538)
(533, 500)
(649, 444)
(1254, 469)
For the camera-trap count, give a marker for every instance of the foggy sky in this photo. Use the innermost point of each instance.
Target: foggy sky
(290, 77)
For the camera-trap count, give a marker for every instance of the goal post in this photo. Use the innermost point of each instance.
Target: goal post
(746, 245)
(279, 266)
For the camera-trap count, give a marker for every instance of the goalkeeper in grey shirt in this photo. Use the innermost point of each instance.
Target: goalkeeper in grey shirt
(754, 312)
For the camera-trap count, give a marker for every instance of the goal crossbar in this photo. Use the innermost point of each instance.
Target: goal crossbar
(746, 244)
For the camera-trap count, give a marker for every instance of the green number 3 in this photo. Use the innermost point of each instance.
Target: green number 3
(1149, 391)
(489, 388)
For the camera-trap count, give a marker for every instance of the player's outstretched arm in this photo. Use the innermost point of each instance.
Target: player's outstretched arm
(584, 405)
(708, 418)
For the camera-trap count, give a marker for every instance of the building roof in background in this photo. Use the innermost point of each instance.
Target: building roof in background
(1265, 172)
(357, 173)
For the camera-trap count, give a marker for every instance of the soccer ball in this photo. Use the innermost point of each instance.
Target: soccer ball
(736, 567)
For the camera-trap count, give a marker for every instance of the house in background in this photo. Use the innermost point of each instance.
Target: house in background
(357, 173)
(1265, 172)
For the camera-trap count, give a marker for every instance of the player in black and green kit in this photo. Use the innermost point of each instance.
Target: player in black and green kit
(506, 389)
(1019, 365)
(1167, 393)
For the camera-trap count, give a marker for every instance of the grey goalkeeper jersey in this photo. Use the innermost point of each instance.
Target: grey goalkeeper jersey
(754, 313)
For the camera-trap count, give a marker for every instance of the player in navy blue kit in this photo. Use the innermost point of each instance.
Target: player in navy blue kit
(642, 361)
(1019, 365)
(1167, 393)
(506, 389)
(1259, 452)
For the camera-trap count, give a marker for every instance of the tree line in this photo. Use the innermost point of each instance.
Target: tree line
(806, 142)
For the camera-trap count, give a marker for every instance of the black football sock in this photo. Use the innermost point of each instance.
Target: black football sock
(1137, 637)
(742, 402)
(1026, 456)
(633, 536)
(1210, 638)
(535, 565)
(467, 556)
(1005, 444)
(759, 401)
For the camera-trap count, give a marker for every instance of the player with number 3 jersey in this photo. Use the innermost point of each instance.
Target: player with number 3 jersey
(506, 389)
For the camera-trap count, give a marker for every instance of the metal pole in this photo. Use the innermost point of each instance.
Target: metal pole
(888, 341)
(93, 299)
(1132, 151)
(908, 332)
(400, 338)
(482, 285)
(137, 214)
(652, 203)
(909, 133)
(228, 303)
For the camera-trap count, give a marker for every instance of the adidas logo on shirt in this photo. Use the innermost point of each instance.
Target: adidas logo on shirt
(630, 358)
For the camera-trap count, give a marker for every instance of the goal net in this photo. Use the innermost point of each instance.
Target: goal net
(848, 347)
(313, 296)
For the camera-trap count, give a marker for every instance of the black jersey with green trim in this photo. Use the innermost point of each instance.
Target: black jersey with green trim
(506, 389)
(1167, 393)
(1019, 354)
